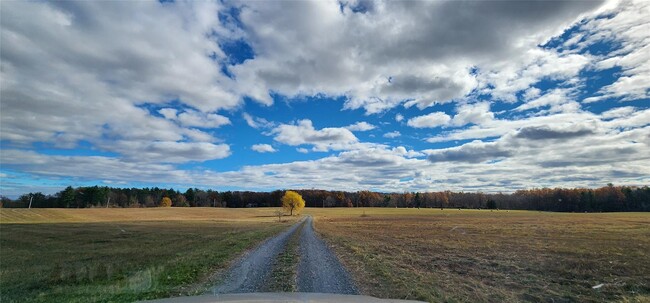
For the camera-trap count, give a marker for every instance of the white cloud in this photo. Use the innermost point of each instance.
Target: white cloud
(637, 119)
(378, 60)
(196, 119)
(503, 80)
(531, 93)
(498, 127)
(618, 112)
(431, 120)
(392, 135)
(510, 163)
(83, 76)
(402, 151)
(168, 113)
(263, 148)
(167, 151)
(473, 152)
(257, 122)
(361, 127)
(70, 73)
(475, 113)
(303, 132)
(553, 98)
(628, 25)
(191, 118)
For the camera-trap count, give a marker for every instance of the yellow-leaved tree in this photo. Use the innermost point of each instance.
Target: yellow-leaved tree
(166, 202)
(292, 201)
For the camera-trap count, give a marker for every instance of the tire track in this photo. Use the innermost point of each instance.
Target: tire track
(319, 269)
(252, 271)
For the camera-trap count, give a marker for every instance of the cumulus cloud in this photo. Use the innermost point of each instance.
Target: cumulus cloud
(548, 133)
(191, 118)
(150, 92)
(508, 163)
(361, 127)
(473, 152)
(503, 80)
(90, 167)
(263, 148)
(487, 166)
(618, 112)
(257, 122)
(475, 113)
(169, 113)
(402, 151)
(431, 120)
(556, 99)
(393, 134)
(628, 26)
(426, 61)
(70, 73)
(303, 132)
(501, 127)
(182, 151)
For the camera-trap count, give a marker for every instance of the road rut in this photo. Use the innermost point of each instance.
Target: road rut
(319, 270)
(250, 272)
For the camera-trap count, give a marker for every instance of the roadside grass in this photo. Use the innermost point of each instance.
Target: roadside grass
(123, 260)
(85, 215)
(283, 275)
(492, 256)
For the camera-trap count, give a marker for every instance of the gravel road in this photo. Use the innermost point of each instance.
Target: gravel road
(319, 270)
(251, 271)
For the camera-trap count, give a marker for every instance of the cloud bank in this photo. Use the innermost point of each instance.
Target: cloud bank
(504, 95)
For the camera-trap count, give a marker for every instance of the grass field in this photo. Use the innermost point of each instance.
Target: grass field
(121, 255)
(483, 256)
(88, 215)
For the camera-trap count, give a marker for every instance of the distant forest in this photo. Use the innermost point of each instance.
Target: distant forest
(608, 199)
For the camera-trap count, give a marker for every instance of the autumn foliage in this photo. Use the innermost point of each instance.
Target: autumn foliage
(292, 201)
(166, 202)
(609, 198)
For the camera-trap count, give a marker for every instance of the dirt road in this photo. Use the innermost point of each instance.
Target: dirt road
(251, 271)
(318, 270)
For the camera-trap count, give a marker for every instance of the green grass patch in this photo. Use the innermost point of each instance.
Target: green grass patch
(119, 262)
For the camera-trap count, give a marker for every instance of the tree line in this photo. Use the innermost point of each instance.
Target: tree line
(607, 199)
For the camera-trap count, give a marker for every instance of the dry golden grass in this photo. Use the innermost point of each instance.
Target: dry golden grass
(484, 256)
(88, 215)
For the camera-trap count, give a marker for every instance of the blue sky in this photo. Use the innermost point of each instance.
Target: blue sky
(345, 95)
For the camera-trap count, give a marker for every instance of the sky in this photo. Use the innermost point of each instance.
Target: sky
(343, 95)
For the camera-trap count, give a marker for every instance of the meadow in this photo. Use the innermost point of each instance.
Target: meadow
(122, 255)
(456, 255)
(451, 255)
